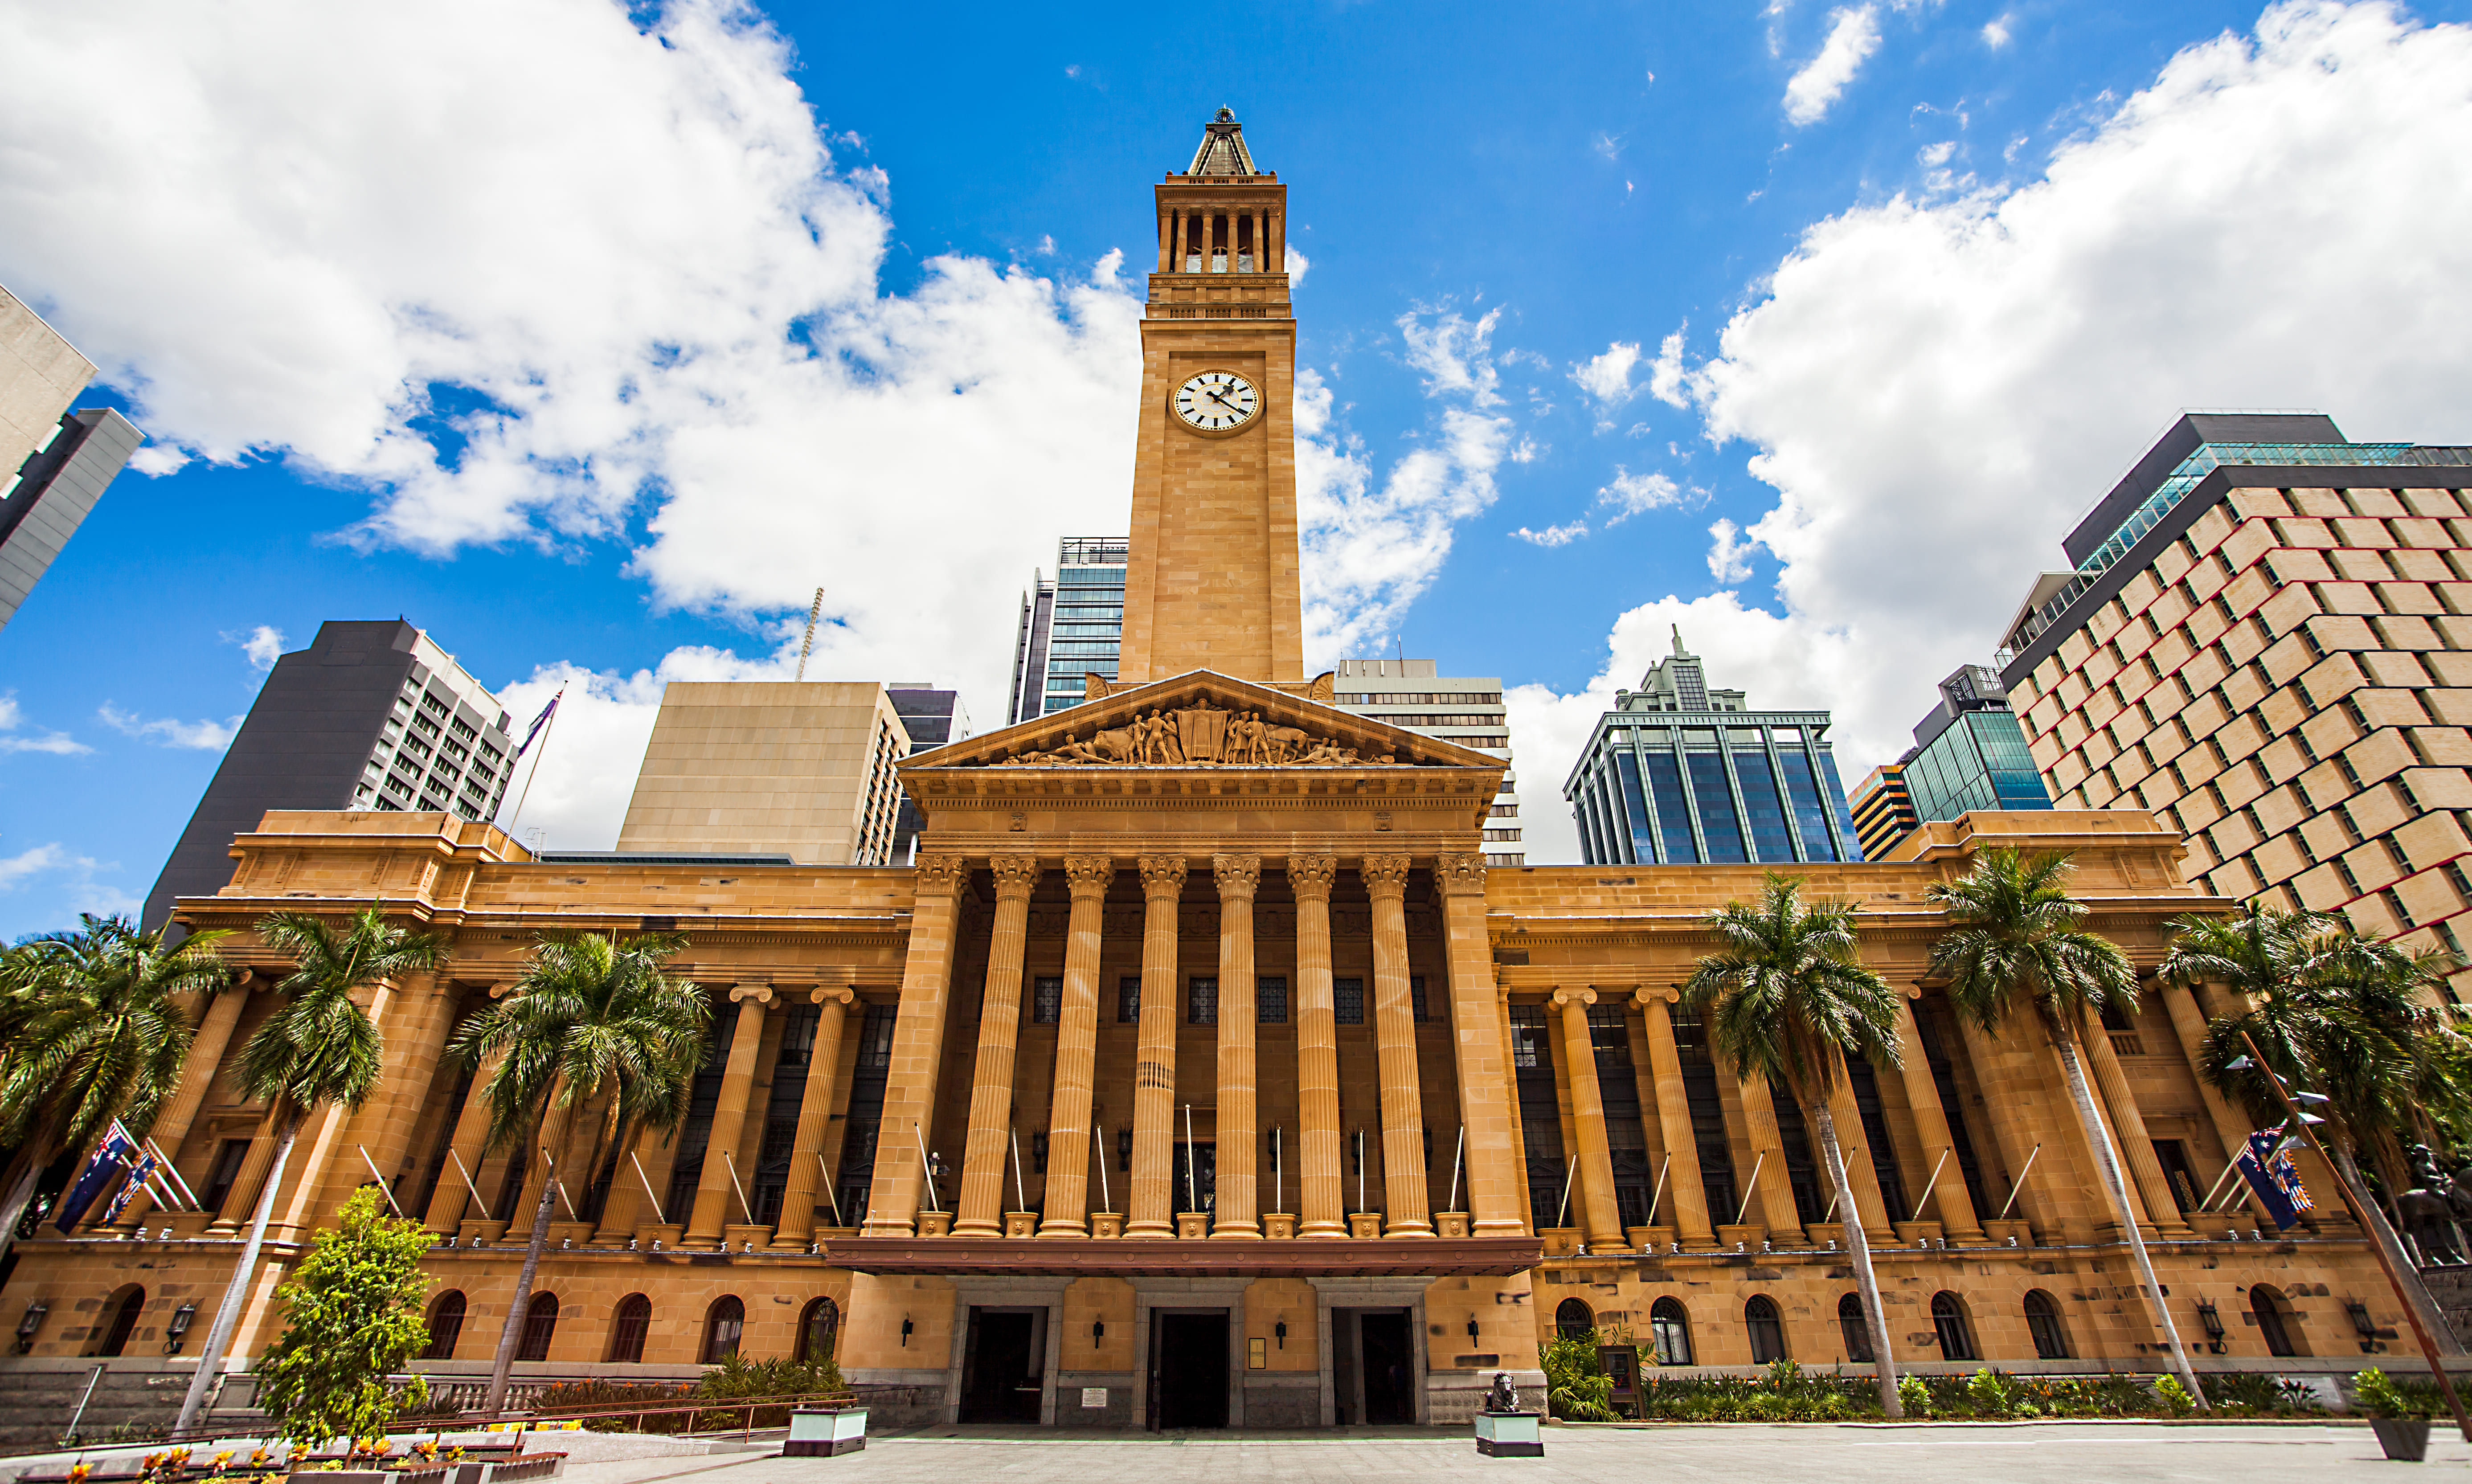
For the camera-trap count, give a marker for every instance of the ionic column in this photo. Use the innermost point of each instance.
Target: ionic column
(798, 1224)
(2129, 1130)
(1486, 1099)
(1683, 1185)
(1320, 1191)
(322, 1134)
(1599, 1215)
(1238, 878)
(918, 1048)
(1951, 1203)
(714, 1189)
(1077, 1051)
(1153, 1209)
(1394, 1041)
(1776, 1189)
(197, 1078)
(983, 1157)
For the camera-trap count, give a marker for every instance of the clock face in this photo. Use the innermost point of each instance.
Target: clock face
(1216, 402)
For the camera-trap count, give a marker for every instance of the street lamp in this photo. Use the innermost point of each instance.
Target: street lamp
(31, 1322)
(2213, 1323)
(176, 1326)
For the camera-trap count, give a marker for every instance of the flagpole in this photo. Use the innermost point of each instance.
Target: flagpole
(522, 797)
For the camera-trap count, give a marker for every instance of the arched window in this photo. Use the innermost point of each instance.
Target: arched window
(1956, 1335)
(1669, 1326)
(820, 1329)
(125, 1307)
(2043, 1322)
(540, 1322)
(446, 1326)
(626, 1326)
(1573, 1321)
(2275, 1321)
(1767, 1334)
(1858, 1329)
(723, 1323)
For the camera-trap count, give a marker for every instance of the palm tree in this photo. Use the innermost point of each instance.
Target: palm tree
(592, 1023)
(319, 1047)
(1788, 999)
(92, 1033)
(2017, 939)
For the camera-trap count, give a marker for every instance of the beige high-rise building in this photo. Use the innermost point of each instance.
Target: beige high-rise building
(54, 463)
(802, 769)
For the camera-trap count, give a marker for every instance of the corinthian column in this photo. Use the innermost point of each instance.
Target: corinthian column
(798, 1224)
(1682, 1184)
(1394, 1041)
(1238, 878)
(2129, 1131)
(983, 1157)
(1153, 1211)
(1951, 1203)
(197, 1080)
(715, 1187)
(1485, 1096)
(1599, 1214)
(918, 1048)
(1318, 1189)
(1077, 1052)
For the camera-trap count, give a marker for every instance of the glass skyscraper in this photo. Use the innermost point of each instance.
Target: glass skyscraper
(1678, 774)
(1070, 626)
(1968, 754)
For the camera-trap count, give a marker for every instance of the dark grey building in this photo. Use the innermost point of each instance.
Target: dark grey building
(370, 716)
(53, 491)
(932, 718)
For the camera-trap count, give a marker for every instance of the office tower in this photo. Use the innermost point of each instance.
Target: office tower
(1680, 774)
(1466, 710)
(372, 716)
(2262, 641)
(798, 767)
(1883, 812)
(56, 462)
(1071, 626)
(932, 718)
(1968, 754)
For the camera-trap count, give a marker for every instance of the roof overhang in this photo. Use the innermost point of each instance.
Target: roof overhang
(1384, 1257)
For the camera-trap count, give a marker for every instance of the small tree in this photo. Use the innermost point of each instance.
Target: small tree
(353, 1317)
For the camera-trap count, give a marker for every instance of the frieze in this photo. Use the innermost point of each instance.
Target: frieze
(1202, 735)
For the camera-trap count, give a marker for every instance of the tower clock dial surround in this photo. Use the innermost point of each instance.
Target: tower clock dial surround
(1216, 403)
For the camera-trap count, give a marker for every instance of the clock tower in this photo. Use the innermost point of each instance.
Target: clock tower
(1212, 583)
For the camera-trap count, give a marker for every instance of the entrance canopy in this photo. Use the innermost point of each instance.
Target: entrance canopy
(1406, 1257)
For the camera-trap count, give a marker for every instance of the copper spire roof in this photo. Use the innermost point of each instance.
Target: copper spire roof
(1223, 151)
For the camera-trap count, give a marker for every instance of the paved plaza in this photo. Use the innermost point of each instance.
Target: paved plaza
(2067, 1453)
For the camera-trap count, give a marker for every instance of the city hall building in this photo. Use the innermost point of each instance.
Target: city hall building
(1200, 1072)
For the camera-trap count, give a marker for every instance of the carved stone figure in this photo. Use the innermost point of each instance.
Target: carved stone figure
(2427, 1210)
(1201, 733)
(1501, 1398)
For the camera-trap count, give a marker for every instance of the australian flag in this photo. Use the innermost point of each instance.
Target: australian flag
(114, 1154)
(139, 1175)
(2267, 1165)
(538, 721)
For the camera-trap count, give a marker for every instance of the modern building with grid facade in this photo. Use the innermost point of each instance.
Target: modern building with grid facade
(1678, 774)
(1466, 709)
(2264, 640)
(798, 767)
(1072, 626)
(1882, 809)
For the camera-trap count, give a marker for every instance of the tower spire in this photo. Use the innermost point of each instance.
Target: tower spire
(1223, 151)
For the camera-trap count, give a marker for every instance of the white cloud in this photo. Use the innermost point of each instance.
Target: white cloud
(1452, 353)
(263, 645)
(165, 732)
(17, 868)
(11, 718)
(1633, 494)
(1995, 31)
(1606, 378)
(1853, 35)
(1937, 391)
(1729, 555)
(1935, 155)
(1553, 535)
(1296, 265)
(1665, 372)
(1607, 147)
(79, 892)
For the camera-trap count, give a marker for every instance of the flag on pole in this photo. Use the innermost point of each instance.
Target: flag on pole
(2267, 1165)
(139, 1174)
(538, 722)
(110, 1157)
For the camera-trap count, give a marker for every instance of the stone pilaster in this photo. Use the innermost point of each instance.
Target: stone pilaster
(1600, 1216)
(918, 1048)
(1682, 1179)
(1775, 1202)
(2118, 1106)
(1151, 1212)
(1394, 1041)
(983, 1157)
(1320, 1191)
(717, 1197)
(1077, 1051)
(324, 1134)
(1487, 1102)
(1238, 878)
(1950, 1202)
(798, 1224)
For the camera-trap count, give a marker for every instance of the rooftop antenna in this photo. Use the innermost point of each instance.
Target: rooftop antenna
(804, 644)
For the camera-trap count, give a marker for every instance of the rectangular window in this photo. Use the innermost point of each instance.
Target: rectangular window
(224, 1171)
(1129, 1000)
(1715, 793)
(1046, 1001)
(1673, 813)
(1348, 997)
(1270, 1000)
(1201, 1001)
(1416, 998)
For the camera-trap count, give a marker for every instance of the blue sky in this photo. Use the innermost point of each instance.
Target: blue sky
(593, 341)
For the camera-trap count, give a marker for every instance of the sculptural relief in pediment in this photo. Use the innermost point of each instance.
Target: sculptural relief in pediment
(1200, 735)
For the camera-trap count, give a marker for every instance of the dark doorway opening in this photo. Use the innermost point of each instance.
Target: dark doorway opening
(1189, 1370)
(1000, 1378)
(1389, 1369)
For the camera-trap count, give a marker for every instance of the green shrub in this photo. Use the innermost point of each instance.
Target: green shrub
(2382, 1396)
(2175, 1395)
(1577, 1387)
(1914, 1397)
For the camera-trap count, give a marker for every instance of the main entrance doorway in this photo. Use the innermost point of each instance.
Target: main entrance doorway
(1001, 1380)
(1373, 1371)
(1188, 1380)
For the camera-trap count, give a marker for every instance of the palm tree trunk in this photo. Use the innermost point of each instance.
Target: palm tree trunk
(2118, 1189)
(503, 1366)
(210, 1360)
(20, 1194)
(1874, 1318)
(2382, 1232)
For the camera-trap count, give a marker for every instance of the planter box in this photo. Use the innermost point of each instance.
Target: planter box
(737, 1236)
(2000, 1232)
(1021, 1223)
(480, 1234)
(1558, 1240)
(664, 1234)
(1509, 1434)
(1915, 1233)
(1747, 1235)
(1106, 1223)
(362, 1475)
(1192, 1224)
(935, 1223)
(1450, 1223)
(2406, 1439)
(1279, 1224)
(825, 1432)
(1649, 1239)
(526, 1466)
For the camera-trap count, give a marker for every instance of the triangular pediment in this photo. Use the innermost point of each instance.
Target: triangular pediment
(1203, 719)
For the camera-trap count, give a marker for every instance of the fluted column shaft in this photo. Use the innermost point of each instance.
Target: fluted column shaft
(197, 1078)
(1394, 1041)
(2188, 1028)
(1077, 1052)
(917, 1050)
(798, 1224)
(1320, 1191)
(1950, 1202)
(1153, 1209)
(2129, 1129)
(991, 1093)
(1599, 1214)
(1775, 1187)
(1682, 1184)
(716, 1194)
(1862, 1176)
(1238, 878)
(452, 1200)
(1486, 1099)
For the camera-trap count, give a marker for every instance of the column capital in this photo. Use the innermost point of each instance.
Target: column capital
(1236, 876)
(1460, 875)
(1311, 875)
(1017, 876)
(832, 994)
(1384, 874)
(1657, 994)
(1574, 994)
(761, 993)
(941, 876)
(1089, 876)
(1163, 876)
